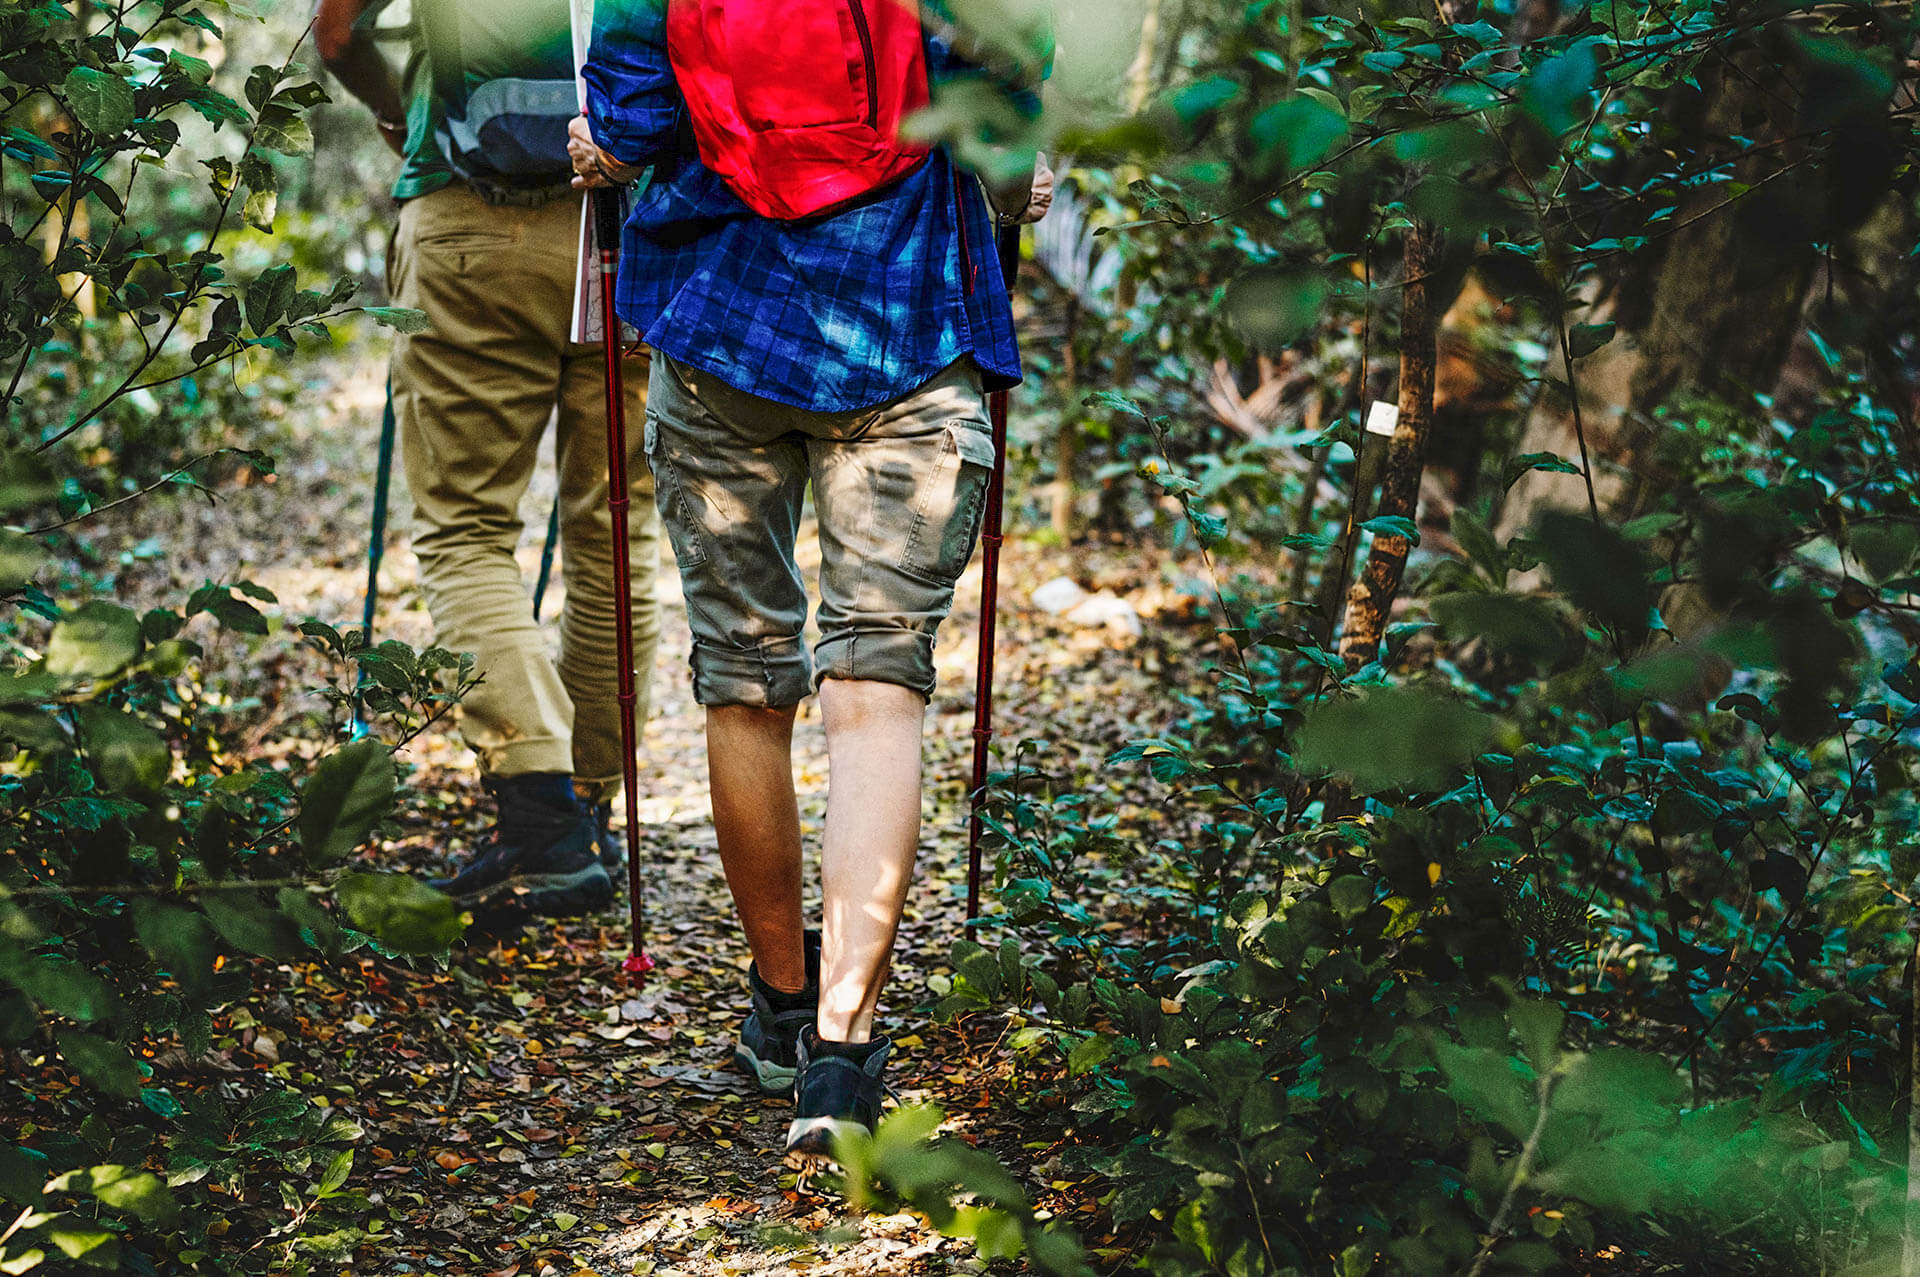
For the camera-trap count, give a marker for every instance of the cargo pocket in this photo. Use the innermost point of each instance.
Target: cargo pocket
(683, 531)
(946, 519)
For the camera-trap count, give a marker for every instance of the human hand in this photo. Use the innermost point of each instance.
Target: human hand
(1021, 203)
(1041, 198)
(593, 167)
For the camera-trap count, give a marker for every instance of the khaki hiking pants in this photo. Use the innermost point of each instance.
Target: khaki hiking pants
(473, 394)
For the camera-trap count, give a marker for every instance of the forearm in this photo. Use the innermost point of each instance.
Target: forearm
(349, 52)
(363, 71)
(632, 105)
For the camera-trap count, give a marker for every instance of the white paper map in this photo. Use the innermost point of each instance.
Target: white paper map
(588, 325)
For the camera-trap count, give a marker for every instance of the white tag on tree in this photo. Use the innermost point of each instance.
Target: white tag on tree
(1383, 418)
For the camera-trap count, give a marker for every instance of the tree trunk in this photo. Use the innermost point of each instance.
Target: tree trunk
(1371, 599)
(1717, 316)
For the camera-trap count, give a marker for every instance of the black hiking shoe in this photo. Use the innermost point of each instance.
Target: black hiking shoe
(838, 1092)
(769, 1045)
(541, 853)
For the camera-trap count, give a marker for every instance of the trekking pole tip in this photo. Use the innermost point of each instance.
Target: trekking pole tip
(637, 964)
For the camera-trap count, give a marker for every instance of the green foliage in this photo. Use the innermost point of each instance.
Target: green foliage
(901, 1163)
(344, 799)
(149, 862)
(1675, 845)
(142, 871)
(1392, 738)
(1661, 799)
(405, 913)
(1577, 919)
(98, 115)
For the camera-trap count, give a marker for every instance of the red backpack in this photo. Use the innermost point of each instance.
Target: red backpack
(797, 104)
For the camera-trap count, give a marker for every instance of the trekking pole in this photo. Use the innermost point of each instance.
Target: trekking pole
(546, 559)
(607, 219)
(376, 550)
(1008, 245)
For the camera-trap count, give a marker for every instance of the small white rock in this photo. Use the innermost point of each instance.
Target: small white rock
(1108, 609)
(1062, 594)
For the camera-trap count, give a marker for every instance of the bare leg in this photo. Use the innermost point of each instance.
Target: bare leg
(757, 820)
(873, 829)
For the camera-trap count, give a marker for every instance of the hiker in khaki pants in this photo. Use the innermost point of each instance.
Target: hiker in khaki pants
(489, 253)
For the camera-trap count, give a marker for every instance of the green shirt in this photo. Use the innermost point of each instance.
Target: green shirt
(497, 37)
(423, 168)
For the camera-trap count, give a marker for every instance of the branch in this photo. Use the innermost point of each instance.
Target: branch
(200, 274)
(1522, 1169)
(131, 496)
(1371, 598)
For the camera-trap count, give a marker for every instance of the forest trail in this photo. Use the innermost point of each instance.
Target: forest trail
(527, 1110)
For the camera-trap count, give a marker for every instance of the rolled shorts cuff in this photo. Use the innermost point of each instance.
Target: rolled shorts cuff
(901, 657)
(772, 674)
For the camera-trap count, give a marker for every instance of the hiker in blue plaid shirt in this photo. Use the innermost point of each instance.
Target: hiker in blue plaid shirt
(851, 353)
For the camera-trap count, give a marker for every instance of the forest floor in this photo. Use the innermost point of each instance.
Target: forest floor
(526, 1109)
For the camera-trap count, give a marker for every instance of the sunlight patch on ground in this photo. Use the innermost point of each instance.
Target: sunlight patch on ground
(685, 1241)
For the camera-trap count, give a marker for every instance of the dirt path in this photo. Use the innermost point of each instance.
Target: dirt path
(526, 1110)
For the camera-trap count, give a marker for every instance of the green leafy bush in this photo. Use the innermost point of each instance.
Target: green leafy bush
(1297, 1053)
(1573, 921)
(147, 866)
(150, 870)
(902, 1163)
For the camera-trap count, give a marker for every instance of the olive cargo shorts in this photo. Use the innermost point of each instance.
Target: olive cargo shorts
(898, 492)
(472, 395)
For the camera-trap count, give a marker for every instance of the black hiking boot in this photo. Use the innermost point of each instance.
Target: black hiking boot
(838, 1091)
(769, 1045)
(541, 854)
(611, 846)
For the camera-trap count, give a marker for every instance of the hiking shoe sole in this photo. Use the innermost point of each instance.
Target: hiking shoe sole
(585, 890)
(811, 1141)
(772, 1078)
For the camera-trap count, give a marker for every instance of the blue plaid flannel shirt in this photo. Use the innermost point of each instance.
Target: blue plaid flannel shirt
(846, 312)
